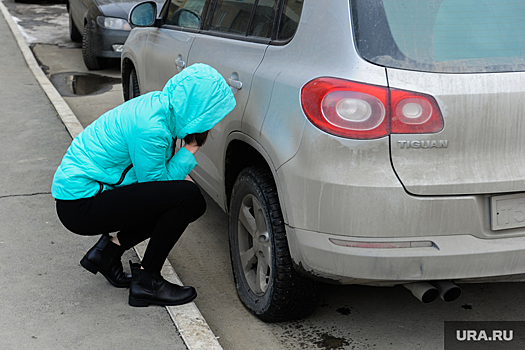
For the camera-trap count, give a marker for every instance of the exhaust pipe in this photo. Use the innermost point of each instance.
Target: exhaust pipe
(448, 291)
(424, 291)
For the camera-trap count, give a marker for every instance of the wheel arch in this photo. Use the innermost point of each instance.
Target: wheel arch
(243, 152)
(126, 66)
(289, 295)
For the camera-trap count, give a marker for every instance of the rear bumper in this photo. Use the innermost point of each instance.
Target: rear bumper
(347, 189)
(458, 257)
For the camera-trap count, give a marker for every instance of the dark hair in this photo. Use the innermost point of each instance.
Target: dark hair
(199, 138)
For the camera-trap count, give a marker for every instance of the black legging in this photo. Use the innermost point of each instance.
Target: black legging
(158, 210)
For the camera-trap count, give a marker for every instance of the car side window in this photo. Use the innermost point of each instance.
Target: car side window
(185, 13)
(263, 18)
(232, 16)
(290, 19)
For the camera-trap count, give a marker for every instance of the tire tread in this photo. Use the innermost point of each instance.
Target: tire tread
(294, 296)
(91, 61)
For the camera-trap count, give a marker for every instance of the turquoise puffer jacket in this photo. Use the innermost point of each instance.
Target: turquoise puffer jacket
(134, 142)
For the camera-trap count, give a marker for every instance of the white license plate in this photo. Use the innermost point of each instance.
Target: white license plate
(508, 211)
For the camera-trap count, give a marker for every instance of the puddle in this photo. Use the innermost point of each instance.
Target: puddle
(82, 84)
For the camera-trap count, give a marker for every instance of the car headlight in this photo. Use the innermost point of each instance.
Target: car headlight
(113, 23)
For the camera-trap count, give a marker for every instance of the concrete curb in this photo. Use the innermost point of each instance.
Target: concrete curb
(192, 326)
(189, 321)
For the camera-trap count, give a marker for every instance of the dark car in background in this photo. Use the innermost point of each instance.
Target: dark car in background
(101, 26)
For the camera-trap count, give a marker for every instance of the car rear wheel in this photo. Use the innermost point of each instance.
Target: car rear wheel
(74, 34)
(265, 279)
(91, 61)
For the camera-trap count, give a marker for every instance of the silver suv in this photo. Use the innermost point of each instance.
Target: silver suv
(375, 142)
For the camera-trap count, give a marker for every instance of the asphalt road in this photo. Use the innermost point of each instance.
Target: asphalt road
(348, 317)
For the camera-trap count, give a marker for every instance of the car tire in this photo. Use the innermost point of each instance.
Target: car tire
(91, 61)
(265, 278)
(133, 85)
(74, 34)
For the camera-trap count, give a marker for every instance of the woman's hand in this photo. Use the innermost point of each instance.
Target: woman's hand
(192, 147)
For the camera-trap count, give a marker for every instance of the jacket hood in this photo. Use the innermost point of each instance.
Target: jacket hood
(198, 99)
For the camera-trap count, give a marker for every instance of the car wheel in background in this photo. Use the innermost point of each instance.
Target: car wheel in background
(74, 34)
(265, 279)
(91, 61)
(133, 85)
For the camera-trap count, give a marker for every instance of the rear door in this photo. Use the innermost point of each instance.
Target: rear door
(234, 44)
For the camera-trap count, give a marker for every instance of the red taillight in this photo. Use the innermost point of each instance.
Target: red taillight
(345, 108)
(414, 113)
(354, 110)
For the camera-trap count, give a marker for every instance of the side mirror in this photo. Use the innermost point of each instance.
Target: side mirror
(143, 14)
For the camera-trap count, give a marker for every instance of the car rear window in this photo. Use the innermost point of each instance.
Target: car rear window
(290, 19)
(442, 36)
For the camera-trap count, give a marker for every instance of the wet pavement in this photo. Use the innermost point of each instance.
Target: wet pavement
(70, 84)
(43, 22)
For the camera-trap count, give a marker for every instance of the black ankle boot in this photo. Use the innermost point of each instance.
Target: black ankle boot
(105, 257)
(150, 288)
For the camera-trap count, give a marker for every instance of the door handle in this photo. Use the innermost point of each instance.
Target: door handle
(234, 81)
(181, 64)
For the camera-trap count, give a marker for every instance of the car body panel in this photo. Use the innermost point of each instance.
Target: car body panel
(483, 116)
(333, 195)
(78, 11)
(163, 47)
(281, 126)
(460, 258)
(117, 9)
(210, 158)
(104, 39)
(134, 51)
